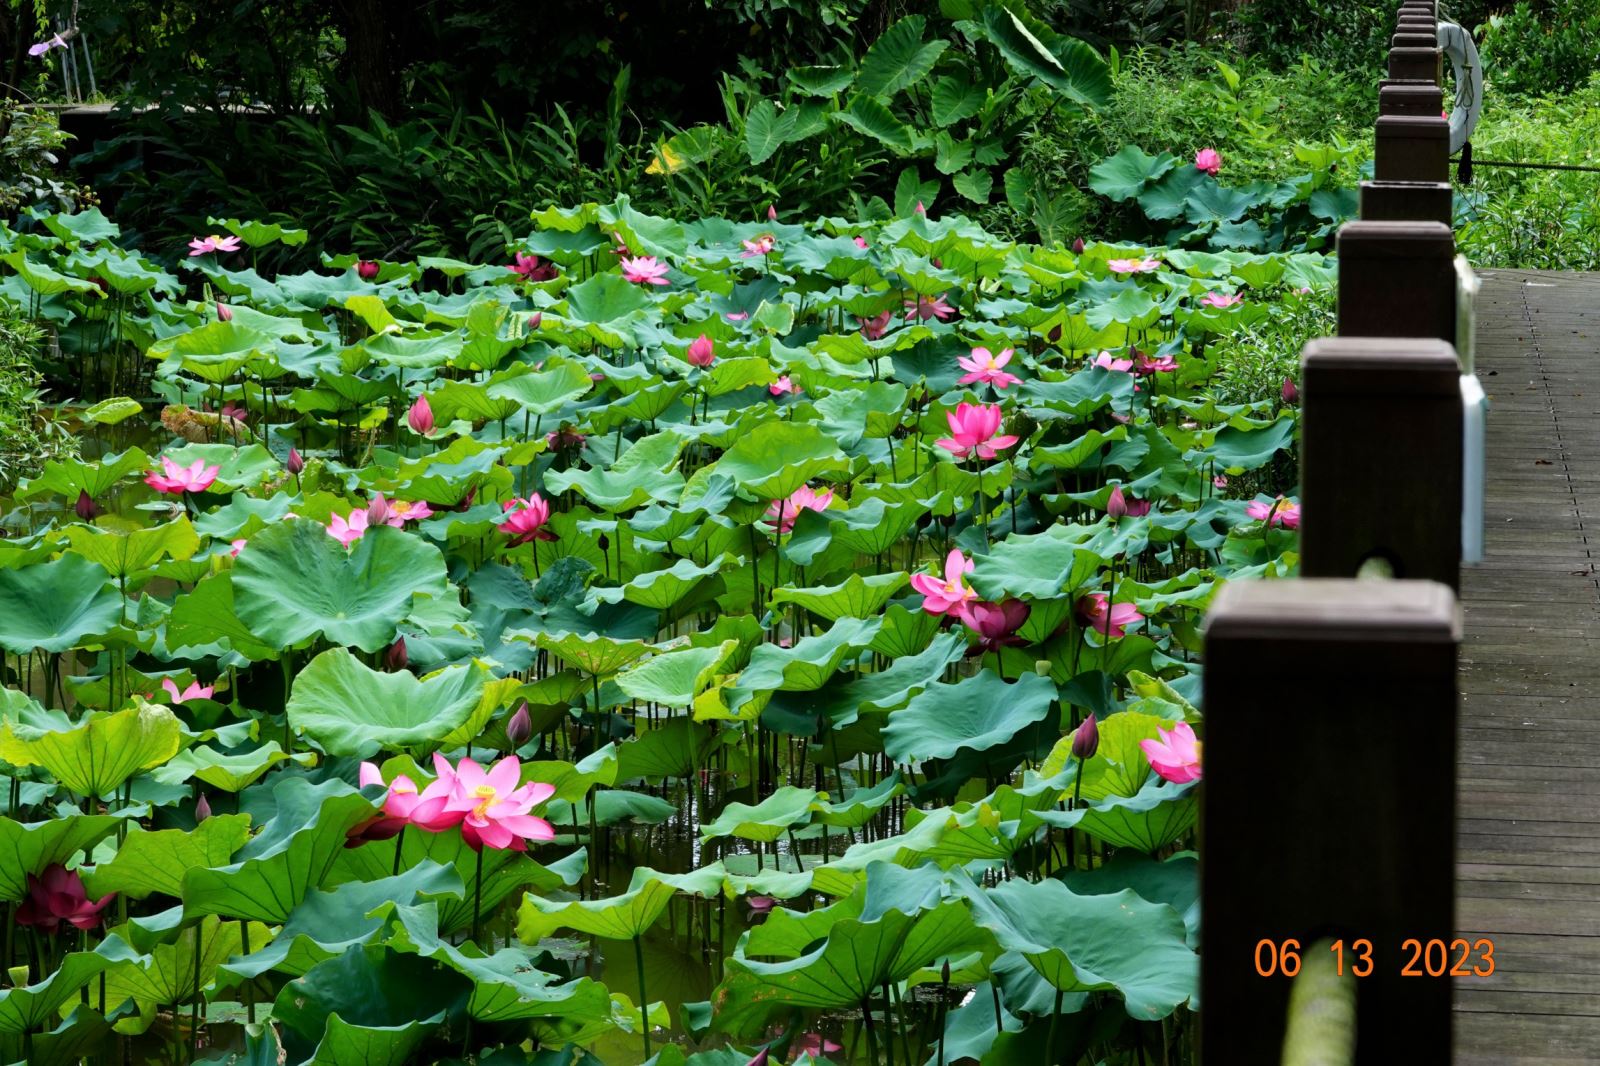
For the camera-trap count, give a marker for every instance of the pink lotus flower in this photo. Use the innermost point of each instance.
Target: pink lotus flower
(702, 352)
(875, 327)
(1146, 365)
(782, 513)
(761, 905)
(196, 477)
(237, 546)
(972, 429)
(366, 269)
(399, 800)
(1110, 620)
(758, 247)
(813, 1044)
(736, 316)
(1290, 392)
(566, 439)
(403, 511)
(861, 242)
(1220, 481)
(926, 307)
(224, 313)
(420, 417)
(986, 367)
(772, 212)
(195, 691)
(1277, 512)
(432, 810)
(348, 530)
(1121, 506)
(1208, 161)
(212, 243)
(1105, 361)
(1220, 300)
(920, 209)
(1176, 756)
(494, 808)
(996, 624)
(1133, 266)
(532, 268)
(57, 897)
(950, 595)
(525, 519)
(42, 47)
(645, 270)
(783, 385)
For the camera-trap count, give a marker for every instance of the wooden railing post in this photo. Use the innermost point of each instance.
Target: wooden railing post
(1412, 148)
(1397, 279)
(1328, 808)
(1380, 457)
(1403, 201)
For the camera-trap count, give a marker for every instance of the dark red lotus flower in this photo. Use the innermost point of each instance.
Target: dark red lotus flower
(996, 624)
(367, 269)
(395, 658)
(58, 897)
(86, 508)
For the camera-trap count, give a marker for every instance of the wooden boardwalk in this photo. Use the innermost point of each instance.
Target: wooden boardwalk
(1529, 832)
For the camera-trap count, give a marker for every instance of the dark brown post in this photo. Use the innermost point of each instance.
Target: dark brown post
(1404, 201)
(1412, 148)
(1366, 402)
(1409, 38)
(1410, 98)
(1331, 818)
(1397, 279)
(1414, 64)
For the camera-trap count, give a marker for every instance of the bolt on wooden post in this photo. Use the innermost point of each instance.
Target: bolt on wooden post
(1333, 817)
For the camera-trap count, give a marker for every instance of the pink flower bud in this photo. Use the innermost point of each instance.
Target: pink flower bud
(420, 417)
(224, 313)
(1086, 738)
(395, 658)
(534, 320)
(1117, 504)
(1077, 246)
(295, 463)
(378, 511)
(366, 269)
(86, 508)
(702, 352)
(772, 212)
(519, 730)
(1291, 392)
(202, 809)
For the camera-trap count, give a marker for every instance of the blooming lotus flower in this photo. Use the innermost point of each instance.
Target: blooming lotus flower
(432, 810)
(972, 429)
(212, 243)
(1277, 512)
(532, 268)
(758, 247)
(761, 905)
(1208, 161)
(861, 242)
(873, 328)
(57, 896)
(984, 366)
(996, 624)
(645, 270)
(237, 546)
(1290, 392)
(1220, 481)
(524, 519)
(565, 439)
(495, 809)
(1221, 299)
(403, 511)
(1133, 266)
(782, 513)
(195, 691)
(1105, 361)
(813, 1044)
(348, 530)
(1176, 756)
(783, 385)
(1146, 365)
(400, 799)
(366, 269)
(950, 594)
(926, 307)
(196, 477)
(736, 316)
(420, 417)
(57, 41)
(702, 352)
(1110, 620)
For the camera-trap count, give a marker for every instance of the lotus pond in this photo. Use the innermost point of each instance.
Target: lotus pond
(691, 642)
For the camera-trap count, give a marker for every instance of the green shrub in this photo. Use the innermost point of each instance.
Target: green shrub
(28, 436)
(1544, 46)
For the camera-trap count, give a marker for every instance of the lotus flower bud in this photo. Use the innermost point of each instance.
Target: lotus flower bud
(1054, 336)
(1077, 246)
(202, 809)
(603, 542)
(295, 463)
(420, 417)
(534, 320)
(519, 730)
(702, 352)
(378, 511)
(920, 209)
(1117, 504)
(762, 1058)
(772, 212)
(86, 508)
(1291, 392)
(944, 972)
(395, 658)
(1086, 738)
(366, 269)
(224, 313)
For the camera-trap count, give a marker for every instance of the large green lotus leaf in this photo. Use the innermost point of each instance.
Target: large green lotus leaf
(256, 234)
(347, 708)
(905, 632)
(731, 375)
(1174, 881)
(28, 847)
(98, 754)
(646, 234)
(1210, 202)
(327, 923)
(891, 687)
(974, 714)
(55, 605)
(677, 677)
(1131, 307)
(1160, 814)
(809, 664)
(857, 808)
(172, 973)
(228, 772)
(296, 582)
(765, 821)
(1080, 395)
(1085, 451)
(1125, 175)
(45, 281)
(504, 871)
(676, 748)
(595, 655)
(1118, 766)
(605, 300)
(1245, 449)
(1041, 566)
(621, 917)
(419, 351)
(1111, 942)
(776, 458)
(368, 1007)
(236, 467)
(127, 553)
(645, 472)
(205, 616)
(83, 227)
(149, 862)
(661, 589)
(612, 806)
(25, 1008)
(289, 857)
(471, 401)
(857, 597)
(543, 392)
